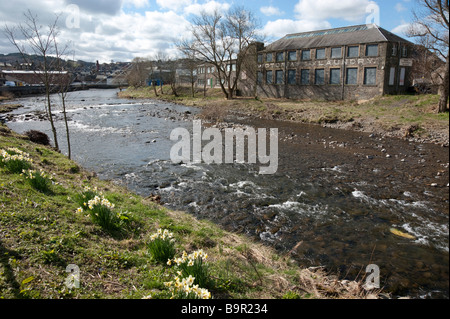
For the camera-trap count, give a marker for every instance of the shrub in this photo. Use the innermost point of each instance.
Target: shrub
(102, 213)
(38, 180)
(15, 160)
(38, 137)
(87, 195)
(194, 265)
(162, 246)
(184, 288)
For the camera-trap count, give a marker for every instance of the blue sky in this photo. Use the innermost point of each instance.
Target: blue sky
(120, 30)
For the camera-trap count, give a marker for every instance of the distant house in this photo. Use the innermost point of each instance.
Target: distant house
(207, 74)
(350, 63)
(36, 77)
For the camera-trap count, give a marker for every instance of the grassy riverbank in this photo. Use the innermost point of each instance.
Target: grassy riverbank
(402, 116)
(43, 231)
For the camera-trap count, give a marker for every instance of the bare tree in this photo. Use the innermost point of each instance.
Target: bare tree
(64, 81)
(222, 41)
(139, 72)
(40, 41)
(431, 27)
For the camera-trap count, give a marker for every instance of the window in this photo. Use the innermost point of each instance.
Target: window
(292, 74)
(293, 56)
(306, 55)
(269, 77)
(404, 51)
(352, 76)
(353, 52)
(336, 53)
(402, 76)
(304, 77)
(319, 77)
(260, 58)
(335, 76)
(370, 76)
(372, 50)
(260, 77)
(320, 54)
(269, 57)
(394, 50)
(392, 76)
(279, 77)
(280, 57)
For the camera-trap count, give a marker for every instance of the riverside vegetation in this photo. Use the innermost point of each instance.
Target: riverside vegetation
(53, 214)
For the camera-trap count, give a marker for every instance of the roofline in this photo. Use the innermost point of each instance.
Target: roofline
(323, 30)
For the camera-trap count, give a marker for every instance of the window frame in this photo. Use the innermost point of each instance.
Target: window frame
(279, 80)
(324, 54)
(368, 46)
(290, 77)
(323, 82)
(289, 56)
(366, 78)
(340, 53)
(331, 76)
(278, 54)
(271, 77)
(347, 76)
(309, 55)
(352, 47)
(308, 82)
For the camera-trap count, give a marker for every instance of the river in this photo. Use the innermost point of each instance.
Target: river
(333, 202)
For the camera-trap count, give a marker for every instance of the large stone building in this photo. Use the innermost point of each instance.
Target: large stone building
(351, 63)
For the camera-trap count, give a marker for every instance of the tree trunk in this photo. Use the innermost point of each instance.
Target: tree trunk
(63, 97)
(50, 116)
(154, 88)
(444, 89)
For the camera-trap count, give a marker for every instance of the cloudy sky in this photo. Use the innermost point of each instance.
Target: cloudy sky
(120, 30)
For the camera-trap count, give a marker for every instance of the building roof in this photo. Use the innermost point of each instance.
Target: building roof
(335, 37)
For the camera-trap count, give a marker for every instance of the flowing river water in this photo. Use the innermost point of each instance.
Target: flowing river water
(333, 202)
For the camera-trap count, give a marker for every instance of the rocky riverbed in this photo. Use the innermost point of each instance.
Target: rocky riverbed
(341, 198)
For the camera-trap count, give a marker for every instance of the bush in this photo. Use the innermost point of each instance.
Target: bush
(38, 137)
(162, 246)
(184, 288)
(194, 265)
(102, 213)
(38, 180)
(15, 160)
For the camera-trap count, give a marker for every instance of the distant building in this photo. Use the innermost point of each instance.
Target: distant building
(22, 78)
(351, 63)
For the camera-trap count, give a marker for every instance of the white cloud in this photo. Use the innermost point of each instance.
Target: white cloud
(174, 5)
(208, 7)
(401, 29)
(349, 10)
(271, 11)
(137, 3)
(102, 35)
(279, 28)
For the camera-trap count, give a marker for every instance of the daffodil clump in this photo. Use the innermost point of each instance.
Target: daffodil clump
(184, 288)
(162, 246)
(101, 211)
(38, 180)
(15, 160)
(195, 265)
